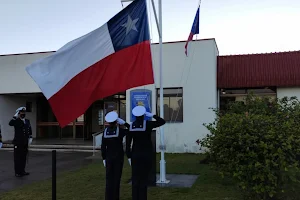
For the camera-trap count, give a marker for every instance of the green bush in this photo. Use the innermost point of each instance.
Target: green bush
(258, 144)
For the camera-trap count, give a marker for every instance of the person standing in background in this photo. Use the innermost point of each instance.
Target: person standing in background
(22, 138)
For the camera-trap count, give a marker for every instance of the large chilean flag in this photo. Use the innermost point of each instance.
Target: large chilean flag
(108, 60)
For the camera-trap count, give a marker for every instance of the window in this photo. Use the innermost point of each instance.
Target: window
(232, 95)
(122, 109)
(245, 91)
(80, 118)
(173, 104)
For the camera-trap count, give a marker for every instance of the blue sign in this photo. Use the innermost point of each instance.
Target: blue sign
(140, 97)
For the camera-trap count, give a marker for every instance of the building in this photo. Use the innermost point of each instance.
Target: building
(192, 85)
(272, 74)
(190, 89)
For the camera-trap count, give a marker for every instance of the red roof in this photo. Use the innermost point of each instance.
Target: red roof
(259, 70)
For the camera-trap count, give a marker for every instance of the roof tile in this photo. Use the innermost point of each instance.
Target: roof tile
(259, 70)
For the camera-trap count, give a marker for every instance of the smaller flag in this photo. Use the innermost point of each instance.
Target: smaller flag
(194, 31)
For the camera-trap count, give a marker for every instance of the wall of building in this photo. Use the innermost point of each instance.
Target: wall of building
(8, 106)
(197, 75)
(14, 76)
(289, 92)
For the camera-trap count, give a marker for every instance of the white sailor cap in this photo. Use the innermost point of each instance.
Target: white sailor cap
(21, 109)
(111, 116)
(138, 111)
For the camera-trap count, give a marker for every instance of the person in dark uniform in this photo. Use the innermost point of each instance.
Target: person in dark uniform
(113, 154)
(23, 137)
(141, 152)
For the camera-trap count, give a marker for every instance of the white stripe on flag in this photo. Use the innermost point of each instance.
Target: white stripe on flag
(54, 72)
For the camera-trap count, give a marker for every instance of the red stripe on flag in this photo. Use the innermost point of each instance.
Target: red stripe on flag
(187, 42)
(125, 69)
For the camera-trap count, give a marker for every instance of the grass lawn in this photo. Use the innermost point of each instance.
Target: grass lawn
(89, 183)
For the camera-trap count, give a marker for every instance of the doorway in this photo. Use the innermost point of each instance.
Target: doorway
(95, 115)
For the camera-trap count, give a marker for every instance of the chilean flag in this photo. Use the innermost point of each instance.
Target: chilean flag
(194, 31)
(108, 60)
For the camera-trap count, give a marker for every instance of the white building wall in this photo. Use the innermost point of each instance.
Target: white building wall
(288, 92)
(8, 106)
(14, 76)
(197, 75)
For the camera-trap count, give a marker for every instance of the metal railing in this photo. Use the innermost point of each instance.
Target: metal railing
(97, 140)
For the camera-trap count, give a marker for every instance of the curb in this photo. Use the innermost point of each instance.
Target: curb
(49, 150)
(55, 146)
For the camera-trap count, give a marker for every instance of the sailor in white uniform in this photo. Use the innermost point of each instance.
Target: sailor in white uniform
(142, 149)
(113, 154)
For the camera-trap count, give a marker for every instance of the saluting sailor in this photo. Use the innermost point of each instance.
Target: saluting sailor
(22, 138)
(113, 154)
(141, 152)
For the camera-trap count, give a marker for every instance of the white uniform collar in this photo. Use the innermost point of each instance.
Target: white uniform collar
(140, 128)
(111, 136)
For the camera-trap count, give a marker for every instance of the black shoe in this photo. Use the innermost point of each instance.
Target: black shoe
(19, 175)
(25, 173)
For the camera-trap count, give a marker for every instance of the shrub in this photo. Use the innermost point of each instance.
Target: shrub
(258, 144)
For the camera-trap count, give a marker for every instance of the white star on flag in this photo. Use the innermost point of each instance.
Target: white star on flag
(130, 24)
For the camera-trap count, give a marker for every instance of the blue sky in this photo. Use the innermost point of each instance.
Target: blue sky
(239, 27)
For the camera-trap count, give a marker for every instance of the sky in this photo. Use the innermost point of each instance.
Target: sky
(239, 26)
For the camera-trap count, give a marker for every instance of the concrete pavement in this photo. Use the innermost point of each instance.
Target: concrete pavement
(39, 165)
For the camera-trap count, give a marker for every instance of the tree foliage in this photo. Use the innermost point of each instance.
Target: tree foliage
(258, 144)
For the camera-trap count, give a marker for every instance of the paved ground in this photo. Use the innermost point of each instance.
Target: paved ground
(49, 141)
(39, 166)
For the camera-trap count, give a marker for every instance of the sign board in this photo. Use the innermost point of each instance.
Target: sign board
(140, 97)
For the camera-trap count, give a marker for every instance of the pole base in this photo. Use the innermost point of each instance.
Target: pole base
(163, 182)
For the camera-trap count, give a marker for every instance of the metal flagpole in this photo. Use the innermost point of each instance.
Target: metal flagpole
(157, 23)
(162, 177)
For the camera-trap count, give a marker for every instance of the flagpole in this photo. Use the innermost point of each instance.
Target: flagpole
(162, 177)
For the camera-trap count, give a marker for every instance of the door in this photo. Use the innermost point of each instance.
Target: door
(88, 116)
